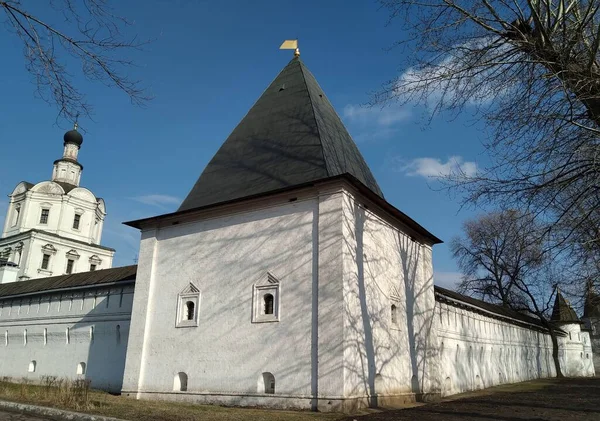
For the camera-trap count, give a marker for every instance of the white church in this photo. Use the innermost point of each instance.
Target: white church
(285, 279)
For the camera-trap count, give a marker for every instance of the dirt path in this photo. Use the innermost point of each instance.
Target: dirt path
(547, 400)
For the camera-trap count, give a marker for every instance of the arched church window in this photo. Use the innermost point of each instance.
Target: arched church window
(32, 366)
(394, 314)
(190, 310)
(188, 306)
(268, 303)
(81, 368)
(265, 299)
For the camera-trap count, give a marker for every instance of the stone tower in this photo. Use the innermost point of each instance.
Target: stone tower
(591, 318)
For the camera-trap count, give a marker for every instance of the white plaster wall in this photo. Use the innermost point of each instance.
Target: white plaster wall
(22, 324)
(223, 257)
(574, 361)
(384, 266)
(593, 324)
(478, 351)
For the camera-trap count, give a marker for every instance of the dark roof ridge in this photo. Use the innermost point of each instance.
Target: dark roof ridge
(489, 307)
(314, 114)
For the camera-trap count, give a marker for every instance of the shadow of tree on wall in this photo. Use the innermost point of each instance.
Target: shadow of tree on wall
(385, 268)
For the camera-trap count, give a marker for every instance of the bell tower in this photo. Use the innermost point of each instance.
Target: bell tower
(67, 169)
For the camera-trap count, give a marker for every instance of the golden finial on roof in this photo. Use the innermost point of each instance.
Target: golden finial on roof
(291, 44)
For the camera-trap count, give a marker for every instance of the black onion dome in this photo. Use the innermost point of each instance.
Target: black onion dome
(73, 136)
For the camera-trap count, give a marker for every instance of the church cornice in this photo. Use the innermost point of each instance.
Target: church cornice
(71, 161)
(35, 232)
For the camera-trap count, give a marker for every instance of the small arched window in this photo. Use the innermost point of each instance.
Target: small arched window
(268, 382)
(190, 309)
(268, 304)
(32, 366)
(394, 314)
(81, 368)
(180, 382)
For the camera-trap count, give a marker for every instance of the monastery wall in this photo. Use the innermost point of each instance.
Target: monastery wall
(74, 334)
(479, 351)
(388, 315)
(230, 350)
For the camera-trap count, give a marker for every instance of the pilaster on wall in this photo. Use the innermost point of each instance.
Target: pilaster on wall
(329, 300)
(426, 335)
(142, 305)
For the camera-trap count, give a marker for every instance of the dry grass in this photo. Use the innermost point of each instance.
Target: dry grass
(73, 396)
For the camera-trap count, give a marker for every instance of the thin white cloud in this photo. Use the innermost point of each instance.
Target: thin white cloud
(456, 76)
(436, 168)
(449, 280)
(373, 123)
(159, 200)
(383, 117)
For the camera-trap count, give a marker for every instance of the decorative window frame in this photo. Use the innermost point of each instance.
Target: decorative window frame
(268, 284)
(189, 293)
(49, 250)
(95, 260)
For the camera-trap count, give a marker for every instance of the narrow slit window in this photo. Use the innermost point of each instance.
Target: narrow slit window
(190, 310)
(17, 213)
(268, 304)
(76, 221)
(394, 314)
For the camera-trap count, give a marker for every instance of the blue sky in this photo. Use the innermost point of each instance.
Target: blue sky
(208, 63)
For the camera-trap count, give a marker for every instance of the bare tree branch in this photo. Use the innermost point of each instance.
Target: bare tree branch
(92, 34)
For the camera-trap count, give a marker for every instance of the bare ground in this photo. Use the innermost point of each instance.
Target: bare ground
(547, 400)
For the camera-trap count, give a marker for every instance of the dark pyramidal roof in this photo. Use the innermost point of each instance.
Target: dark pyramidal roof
(592, 304)
(562, 311)
(291, 136)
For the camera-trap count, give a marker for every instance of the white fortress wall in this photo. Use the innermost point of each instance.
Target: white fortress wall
(479, 351)
(389, 342)
(52, 334)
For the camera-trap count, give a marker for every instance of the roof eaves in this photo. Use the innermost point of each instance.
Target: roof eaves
(371, 195)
